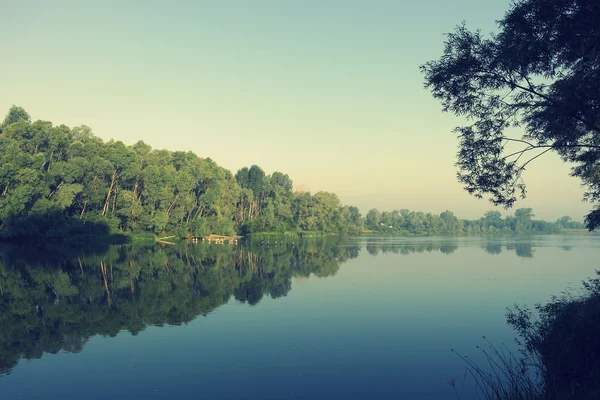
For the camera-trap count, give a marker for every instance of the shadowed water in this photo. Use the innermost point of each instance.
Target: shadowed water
(320, 319)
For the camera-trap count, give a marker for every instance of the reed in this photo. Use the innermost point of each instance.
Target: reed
(504, 376)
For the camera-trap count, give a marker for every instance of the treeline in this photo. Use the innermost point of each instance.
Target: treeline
(53, 174)
(55, 300)
(411, 222)
(56, 181)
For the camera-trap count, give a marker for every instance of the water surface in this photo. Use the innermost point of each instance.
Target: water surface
(321, 319)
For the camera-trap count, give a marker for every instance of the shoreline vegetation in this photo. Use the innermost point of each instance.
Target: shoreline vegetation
(559, 346)
(57, 183)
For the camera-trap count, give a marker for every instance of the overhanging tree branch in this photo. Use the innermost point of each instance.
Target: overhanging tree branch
(493, 82)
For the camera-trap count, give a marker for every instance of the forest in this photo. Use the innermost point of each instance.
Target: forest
(57, 181)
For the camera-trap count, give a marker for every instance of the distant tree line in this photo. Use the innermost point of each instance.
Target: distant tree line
(411, 222)
(56, 180)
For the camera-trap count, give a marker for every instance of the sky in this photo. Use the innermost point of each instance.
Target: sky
(328, 92)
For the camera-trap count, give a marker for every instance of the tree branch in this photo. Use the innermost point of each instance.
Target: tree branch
(531, 89)
(519, 152)
(519, 140)
(522, 167)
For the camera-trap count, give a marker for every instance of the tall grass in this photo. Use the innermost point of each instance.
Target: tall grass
(560, 352)
(504, 375)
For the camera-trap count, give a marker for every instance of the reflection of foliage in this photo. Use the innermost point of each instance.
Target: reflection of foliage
(376, 245)
(48, 306)
(446, 247)
(521, 249)
(493, 248)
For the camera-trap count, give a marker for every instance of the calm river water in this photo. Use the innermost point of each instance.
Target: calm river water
(366, 318)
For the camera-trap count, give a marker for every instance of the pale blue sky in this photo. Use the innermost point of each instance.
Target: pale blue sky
(328, 91)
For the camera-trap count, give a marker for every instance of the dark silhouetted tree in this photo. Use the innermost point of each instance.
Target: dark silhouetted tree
(540, 73)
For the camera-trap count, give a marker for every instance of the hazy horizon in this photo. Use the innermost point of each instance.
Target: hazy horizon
(330, 95)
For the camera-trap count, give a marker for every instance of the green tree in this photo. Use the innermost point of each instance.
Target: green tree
(494, 219)
(450, 221)
(541, 72)
(15, 114)
(523, 217)
(373, 218)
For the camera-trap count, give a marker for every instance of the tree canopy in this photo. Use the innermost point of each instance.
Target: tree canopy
(539, 75)
(15, 114)
(52, 177)
(56, 181)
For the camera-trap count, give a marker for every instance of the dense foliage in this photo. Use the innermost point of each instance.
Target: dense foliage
(563, 336)
(541, 72)
(53, 174)
(56, 180)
